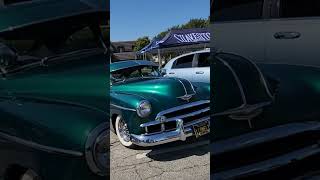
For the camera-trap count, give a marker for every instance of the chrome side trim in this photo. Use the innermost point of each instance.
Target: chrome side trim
(124, 108)
(40, 147)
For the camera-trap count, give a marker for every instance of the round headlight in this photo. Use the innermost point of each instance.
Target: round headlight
(144, 109)
(97, 150)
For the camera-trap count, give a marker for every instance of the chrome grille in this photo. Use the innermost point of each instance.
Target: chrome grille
(190, 114)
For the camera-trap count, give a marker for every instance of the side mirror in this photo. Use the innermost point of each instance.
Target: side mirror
(8, 57)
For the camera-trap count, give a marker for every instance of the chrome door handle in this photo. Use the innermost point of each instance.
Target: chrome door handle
(199, 72)
(171, 73)
(287, 35)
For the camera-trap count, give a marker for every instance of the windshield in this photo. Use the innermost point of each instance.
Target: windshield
(134, 72)
(60, 43)
(51, 45)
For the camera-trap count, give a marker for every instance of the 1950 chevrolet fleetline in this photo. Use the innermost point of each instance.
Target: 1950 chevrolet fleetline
(147, 109)
(53, 90)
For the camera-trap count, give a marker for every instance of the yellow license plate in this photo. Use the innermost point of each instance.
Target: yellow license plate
(201, 129)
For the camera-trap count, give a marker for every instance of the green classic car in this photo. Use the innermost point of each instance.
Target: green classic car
(147, 109)
(53, 90)
(265, 116)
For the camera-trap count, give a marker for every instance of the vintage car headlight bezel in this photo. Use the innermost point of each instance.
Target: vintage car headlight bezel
(140, 110)
(95, 136)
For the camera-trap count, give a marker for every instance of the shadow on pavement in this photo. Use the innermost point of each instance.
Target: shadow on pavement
(180, 149)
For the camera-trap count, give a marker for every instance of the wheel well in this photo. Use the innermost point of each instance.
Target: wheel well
(113, 121)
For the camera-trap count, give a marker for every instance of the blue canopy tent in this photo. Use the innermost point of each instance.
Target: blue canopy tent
(175, 38)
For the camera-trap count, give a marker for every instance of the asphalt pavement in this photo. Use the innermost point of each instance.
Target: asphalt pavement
(188, 160)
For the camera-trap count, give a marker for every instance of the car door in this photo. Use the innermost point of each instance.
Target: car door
(292, 33)
(182, 67)
(239, 27)
(202, 68)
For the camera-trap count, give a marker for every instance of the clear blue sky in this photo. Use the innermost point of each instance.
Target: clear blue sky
(131, 19)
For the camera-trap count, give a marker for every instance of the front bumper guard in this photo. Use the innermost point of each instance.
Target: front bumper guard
(181, 133)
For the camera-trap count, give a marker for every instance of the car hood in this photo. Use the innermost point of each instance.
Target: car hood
(159, 88)
(30, 18)
(162, 93)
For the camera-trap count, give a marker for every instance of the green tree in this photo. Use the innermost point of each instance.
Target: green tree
(141, 43)
(193, 23)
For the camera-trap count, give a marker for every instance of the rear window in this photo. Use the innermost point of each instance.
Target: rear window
(233, 10)
(183, 62)
(294, 8)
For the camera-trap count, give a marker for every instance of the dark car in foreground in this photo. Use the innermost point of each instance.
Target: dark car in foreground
(265, 117)
(53, 90)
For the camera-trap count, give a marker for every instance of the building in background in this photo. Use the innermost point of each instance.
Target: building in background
(122, 50)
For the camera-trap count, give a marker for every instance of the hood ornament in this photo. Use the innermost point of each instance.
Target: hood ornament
(186, 97)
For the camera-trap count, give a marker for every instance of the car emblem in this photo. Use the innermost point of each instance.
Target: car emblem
(186, 97)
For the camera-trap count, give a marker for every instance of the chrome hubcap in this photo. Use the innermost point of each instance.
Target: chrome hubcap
(123, 131)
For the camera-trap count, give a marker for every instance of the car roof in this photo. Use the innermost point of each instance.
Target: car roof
(29, 13)
(130, 63)
(194, 52)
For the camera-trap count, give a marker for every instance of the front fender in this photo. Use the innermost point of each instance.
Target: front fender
(49, 123)
(125, 105)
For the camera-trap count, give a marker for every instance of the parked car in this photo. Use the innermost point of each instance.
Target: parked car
(268, 31)
(147, 109)
(53, 91)
(194, 66)
(265, 116)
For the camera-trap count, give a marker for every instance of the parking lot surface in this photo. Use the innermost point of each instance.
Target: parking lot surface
(178, 160)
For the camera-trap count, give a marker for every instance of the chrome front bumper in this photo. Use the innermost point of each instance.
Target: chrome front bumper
(179, 134)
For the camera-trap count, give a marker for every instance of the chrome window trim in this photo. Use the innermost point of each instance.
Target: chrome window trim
(38, 146)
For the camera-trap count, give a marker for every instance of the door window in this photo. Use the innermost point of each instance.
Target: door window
(203, 60)
(232, 10)
(295, 8)
(183, 62)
